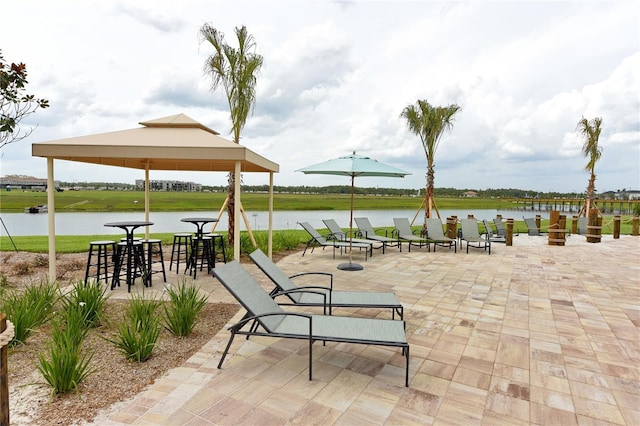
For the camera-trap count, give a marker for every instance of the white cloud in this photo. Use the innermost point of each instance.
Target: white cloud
(337, 75)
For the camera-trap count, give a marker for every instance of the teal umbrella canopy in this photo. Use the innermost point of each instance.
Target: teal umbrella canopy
(353, 165)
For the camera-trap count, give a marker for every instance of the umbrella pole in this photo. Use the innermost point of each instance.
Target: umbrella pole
(351, 266)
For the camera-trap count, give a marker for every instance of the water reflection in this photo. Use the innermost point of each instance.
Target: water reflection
(82, 223)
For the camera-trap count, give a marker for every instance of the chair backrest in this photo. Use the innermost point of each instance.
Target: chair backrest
(532, 229)
(364, 226)
(335, 229)
(487, 226)
(315, 234)
(249, 293)
(583, 223)
(469, 228)
(500, 229)
(275, 274)
(434, 228)
(402, 225)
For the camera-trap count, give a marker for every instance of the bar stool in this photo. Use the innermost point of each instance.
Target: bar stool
(102, 263)
(181, 245)
(149, 245)
(200, 251)
(138, 267)
(218, 239)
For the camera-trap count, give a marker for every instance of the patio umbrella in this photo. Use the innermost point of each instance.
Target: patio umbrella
(352, 165)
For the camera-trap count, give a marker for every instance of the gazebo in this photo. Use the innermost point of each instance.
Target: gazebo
(176, 143)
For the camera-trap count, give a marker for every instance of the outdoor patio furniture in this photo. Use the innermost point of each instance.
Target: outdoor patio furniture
(436, 235)
(366, 230)
(131, 250)
(532, 228)
(154, 255)
(265, 317)
(338, 234)
(404, 233)
(501, 231)
(102, 266)
(180, 249)
(201, 246)
(318, 240)
(494, 238)
(470, 234)
(324, 296)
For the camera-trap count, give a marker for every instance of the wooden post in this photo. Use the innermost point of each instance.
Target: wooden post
(509, 238)
(452, 227)
(636, 226)
(616, 227)
(574, 225)
(538, 221)
(4, 376)
(556, 229)
(594, 227)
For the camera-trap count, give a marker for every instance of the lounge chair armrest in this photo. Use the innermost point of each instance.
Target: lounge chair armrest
(329, 274)
(322, 291)
(246, 319)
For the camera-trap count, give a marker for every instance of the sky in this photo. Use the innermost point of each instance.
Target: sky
(335, 79)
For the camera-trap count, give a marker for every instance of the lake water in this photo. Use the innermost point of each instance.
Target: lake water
(81, 223)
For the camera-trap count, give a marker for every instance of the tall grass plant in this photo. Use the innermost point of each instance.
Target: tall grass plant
(29, 309)
(140, 329)
(66, 364)
(181, 313)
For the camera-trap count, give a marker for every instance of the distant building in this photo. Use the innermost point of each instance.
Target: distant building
(470, 194)
(24, 182)
(169, 186)
(633, 194)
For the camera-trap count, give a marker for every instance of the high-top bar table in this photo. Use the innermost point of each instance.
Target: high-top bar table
(200, 241)
(133, 261)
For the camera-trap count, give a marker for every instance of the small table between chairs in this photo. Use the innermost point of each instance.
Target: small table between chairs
(201, 245)
(135, 259)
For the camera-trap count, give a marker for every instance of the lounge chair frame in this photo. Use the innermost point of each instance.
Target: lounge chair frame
(435, 234)
(489, 232)
(336, 233)
(272, 321)
(365, 230)
(532, 228)
(470, 234)
(405, 233)
(318, 240)
(322, 296)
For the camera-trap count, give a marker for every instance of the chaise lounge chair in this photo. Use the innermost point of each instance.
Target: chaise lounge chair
(501, 231)
(532, 228)
(272, 321)
(338, 234)
(366, 230)
(404, 232)
(322, 295)
(436, 235)
(469, 233)
(318, 240)
(494, 238)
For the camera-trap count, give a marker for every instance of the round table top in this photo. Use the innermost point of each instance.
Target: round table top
(199, 219)
(127, 223)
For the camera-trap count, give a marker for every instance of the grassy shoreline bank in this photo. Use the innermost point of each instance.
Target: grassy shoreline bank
(282, 239)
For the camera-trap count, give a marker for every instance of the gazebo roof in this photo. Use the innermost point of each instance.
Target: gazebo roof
(176, 143)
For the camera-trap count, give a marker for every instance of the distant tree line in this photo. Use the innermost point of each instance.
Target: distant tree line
(346, 189)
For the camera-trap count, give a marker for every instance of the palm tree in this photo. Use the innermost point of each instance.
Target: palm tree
(429, 123)
(235, 69)
(590, 131)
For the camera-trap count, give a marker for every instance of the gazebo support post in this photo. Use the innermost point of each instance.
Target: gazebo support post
(270, 234)
(236, 212)
(51, 214)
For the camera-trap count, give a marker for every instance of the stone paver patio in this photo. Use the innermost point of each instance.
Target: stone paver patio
(532, 334)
